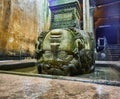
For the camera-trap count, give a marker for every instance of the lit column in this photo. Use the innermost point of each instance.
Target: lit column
(87, 16)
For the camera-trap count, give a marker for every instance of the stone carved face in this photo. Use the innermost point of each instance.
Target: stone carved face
(64, 52)
(58, 45)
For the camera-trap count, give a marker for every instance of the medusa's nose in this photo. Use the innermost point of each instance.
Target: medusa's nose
(54, 46)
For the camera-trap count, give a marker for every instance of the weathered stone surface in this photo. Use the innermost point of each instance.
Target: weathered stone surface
(4, 21)
(20, 23)
(21, 87)
(66, 52)
(65, 14)
(18, 26)
(22, 26)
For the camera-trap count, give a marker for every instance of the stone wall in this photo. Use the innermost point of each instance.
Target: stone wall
(4, 23)
(20, 23)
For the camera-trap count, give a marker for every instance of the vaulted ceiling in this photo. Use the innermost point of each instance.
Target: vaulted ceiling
(103, 2)
(107, 12)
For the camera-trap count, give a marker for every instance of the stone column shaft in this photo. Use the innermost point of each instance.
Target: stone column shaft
(87, 16)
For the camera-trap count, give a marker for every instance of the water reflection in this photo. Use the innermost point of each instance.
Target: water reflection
(101, 73)
(29, 70)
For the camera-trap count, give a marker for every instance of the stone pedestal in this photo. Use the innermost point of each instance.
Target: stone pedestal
(65, 13)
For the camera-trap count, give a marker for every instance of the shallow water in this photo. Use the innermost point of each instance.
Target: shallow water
(103, 73)
(30, 70)
(100, 73)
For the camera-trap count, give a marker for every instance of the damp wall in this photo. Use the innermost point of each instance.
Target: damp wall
(20, 23)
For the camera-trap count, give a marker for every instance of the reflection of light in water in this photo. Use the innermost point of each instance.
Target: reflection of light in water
(103, 73)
